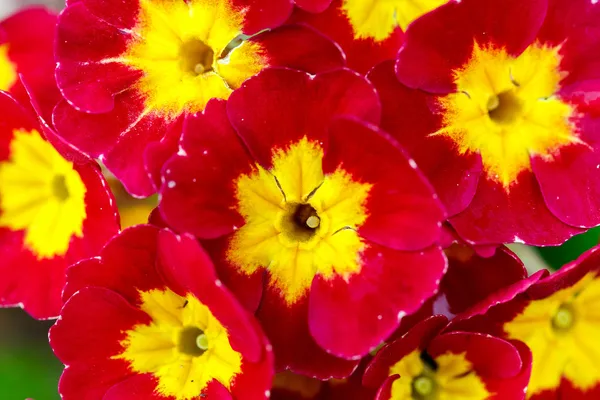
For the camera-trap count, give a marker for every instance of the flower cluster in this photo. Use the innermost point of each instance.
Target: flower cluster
(329, 184)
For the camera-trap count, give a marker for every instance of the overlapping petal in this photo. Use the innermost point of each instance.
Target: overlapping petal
(169, 291)
(308, 154)
(55, 211)
(27, 53)
(129, 73)
(427, 362)
(555, 317)
(501, 119)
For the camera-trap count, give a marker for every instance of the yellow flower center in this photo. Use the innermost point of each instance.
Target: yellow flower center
(377, 19)
(187, 54)
(8, 71)
(299, 221)
(447, 377)
(506, 110)
(184, 347)
(562, 332)
(41, 193)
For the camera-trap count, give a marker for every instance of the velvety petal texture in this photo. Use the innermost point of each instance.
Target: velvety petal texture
(426, 362)
(27, 54)
(556, 317)
(54, 211)
(130, 71)
(499, 114)
(470, 279)
(311, 204)
(170, 301)
(362, 53)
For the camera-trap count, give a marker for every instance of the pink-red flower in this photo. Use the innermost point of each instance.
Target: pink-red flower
(149, 319)
(27, 52)
(316, 219)
(558, 318)
(501, 116)
(131, 70)
(427, 363)
(369, 31)
(55, 209)
(470, 279)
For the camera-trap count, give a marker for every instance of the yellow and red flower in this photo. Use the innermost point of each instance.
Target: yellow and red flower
(427, 364)
(27, 52)
(315, 218)
(558, 318)
(161, 325)
(130, 70)
(369, 31)
(500, 117)
(55, 209)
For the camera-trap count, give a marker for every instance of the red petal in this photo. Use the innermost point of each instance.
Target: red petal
(119, 13)
(158, 153)
(102, 220)
(495, 216)
(300, 47)
(427, 59)
(417, 338)
(385, 391)
(408, 118)
(499, 307)
(314, 6)
(185, 263)
(403, 212)
(30, 37)
(126, 266)
(262, 14)
(471, 278)
(492, 358)
(256, 379)
(305, 107)
(248, 289)
(118, 137)
(83, 43)
(90, 381)
(514, 388)
(28, 282)
(95, 316)
(36, 284)
(568, 390)
(199, 191)
(136, 387)
(294, 348)
(350, 317)
(570, 184)
(361, 54)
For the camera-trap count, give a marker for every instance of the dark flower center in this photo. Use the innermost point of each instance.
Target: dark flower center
(196, 57)
(505, 107)
(59, 187)
(192, 341)
(302, 221)
(564, 319)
